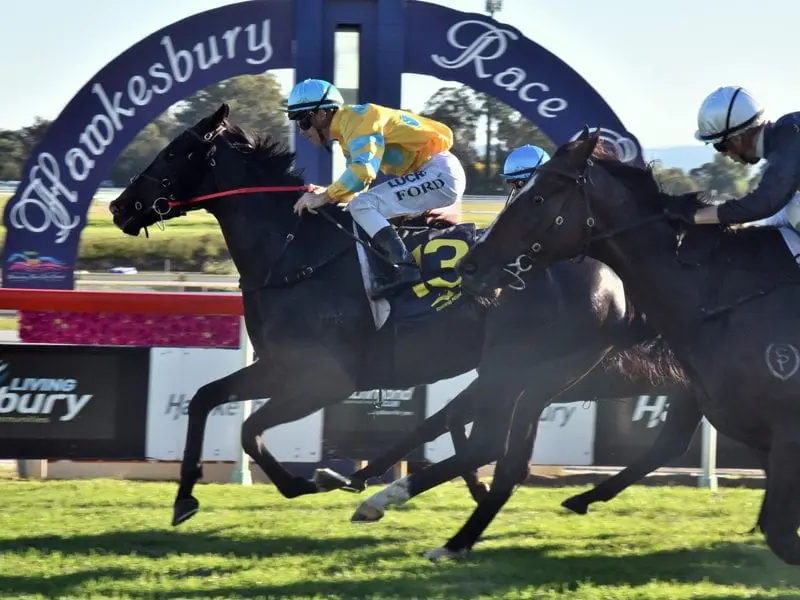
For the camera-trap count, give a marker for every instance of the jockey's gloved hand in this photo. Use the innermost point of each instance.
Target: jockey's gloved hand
(682, 208)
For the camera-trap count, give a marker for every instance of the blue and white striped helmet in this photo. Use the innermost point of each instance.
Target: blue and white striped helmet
(313, 94)
(522, 162)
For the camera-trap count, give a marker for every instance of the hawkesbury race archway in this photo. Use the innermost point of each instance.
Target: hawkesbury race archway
(46, 215)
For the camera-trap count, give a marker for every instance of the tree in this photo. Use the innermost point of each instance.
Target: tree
(138, 154)
(756, 178)
(459, 109)
(722, 175)
(674, 180)
(256, 103)
(16, 146)
(32, 135)
(12, 156)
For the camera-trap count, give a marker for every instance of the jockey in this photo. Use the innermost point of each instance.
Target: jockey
(410, 148)
(732, 120)
(520, 166)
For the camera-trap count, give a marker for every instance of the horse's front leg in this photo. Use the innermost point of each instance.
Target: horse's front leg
(252, 381)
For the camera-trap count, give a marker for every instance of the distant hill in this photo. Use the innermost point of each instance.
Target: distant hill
(683, 157)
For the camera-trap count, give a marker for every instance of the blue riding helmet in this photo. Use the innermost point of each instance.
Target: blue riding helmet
(312, 94)
(522, 162)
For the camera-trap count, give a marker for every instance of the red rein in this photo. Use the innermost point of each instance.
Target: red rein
(237, 191)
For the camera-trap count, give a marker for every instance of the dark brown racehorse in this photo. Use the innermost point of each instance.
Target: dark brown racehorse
(727, 302)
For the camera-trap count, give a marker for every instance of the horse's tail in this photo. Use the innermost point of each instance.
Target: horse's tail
(643, 353)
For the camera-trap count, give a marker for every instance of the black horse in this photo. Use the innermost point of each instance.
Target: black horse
(307, 314)
(725, 300)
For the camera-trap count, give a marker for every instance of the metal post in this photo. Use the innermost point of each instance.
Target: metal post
(709, 457)
(241, 473)
(492, 6)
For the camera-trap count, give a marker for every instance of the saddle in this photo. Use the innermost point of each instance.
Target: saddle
(437, 245)
(743, 264)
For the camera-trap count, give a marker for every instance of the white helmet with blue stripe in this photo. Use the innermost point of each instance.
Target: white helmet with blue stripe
(522, 162)
(313, 94)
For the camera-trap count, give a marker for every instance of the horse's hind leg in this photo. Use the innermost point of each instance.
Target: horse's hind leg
(402, 490)
(672, 442)
(460, 416)
(781, 509)
(427, 431)
(512, 470)
(763, 458)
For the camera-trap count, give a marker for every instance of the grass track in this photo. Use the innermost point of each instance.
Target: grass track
(103, 539)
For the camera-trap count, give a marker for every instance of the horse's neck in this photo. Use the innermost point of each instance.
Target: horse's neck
(256, 248)
(670, 295)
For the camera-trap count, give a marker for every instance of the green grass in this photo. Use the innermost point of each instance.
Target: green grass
(106, 539)
(194, 242)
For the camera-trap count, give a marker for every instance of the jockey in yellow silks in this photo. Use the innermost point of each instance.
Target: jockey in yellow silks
(414, 150)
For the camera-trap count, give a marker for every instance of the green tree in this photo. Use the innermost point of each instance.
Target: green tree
(17, 145)
(12, 155)
(722, 175)
(756, 178)
(32, 135)
(138, 154)
(674, 180)
(257, 105)
(459, 109)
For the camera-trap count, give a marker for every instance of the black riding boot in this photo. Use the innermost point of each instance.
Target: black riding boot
(407, 271)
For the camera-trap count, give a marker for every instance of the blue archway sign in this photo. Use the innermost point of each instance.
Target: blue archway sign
(46, 215)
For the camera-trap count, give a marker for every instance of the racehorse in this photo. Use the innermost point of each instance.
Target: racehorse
(725, 301)
(306, 308)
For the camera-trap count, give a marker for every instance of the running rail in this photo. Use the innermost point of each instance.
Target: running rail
(90, 301)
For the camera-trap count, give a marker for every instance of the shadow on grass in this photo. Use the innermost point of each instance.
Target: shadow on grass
(158, 544)
(488, 571)
(58, 586)
(504, 571)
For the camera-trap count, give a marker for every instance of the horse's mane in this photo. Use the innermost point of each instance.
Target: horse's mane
(640, 180)
(272, 153)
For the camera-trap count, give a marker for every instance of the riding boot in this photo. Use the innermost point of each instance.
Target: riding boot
(406, 272)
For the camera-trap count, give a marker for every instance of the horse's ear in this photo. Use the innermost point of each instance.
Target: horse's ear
(585, 145)
(221, 114)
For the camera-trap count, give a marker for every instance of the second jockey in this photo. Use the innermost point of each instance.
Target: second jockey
(520, 166)
(414, 150)
(732, 120)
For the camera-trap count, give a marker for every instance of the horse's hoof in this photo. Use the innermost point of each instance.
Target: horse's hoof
(367, 513)
(444, 553)
(328, 480)
(355, 486)
(755, 530)
(184, 509)
(576, 504)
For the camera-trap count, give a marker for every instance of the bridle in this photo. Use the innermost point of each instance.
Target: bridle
(581, 179)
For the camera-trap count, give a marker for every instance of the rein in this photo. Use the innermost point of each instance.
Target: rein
(235, 192)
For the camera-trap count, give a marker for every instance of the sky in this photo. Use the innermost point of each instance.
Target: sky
(652, 62)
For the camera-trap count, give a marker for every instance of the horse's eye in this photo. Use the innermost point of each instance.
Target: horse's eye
(538, 200)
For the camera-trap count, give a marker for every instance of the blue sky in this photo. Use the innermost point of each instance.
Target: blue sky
(653, 62)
